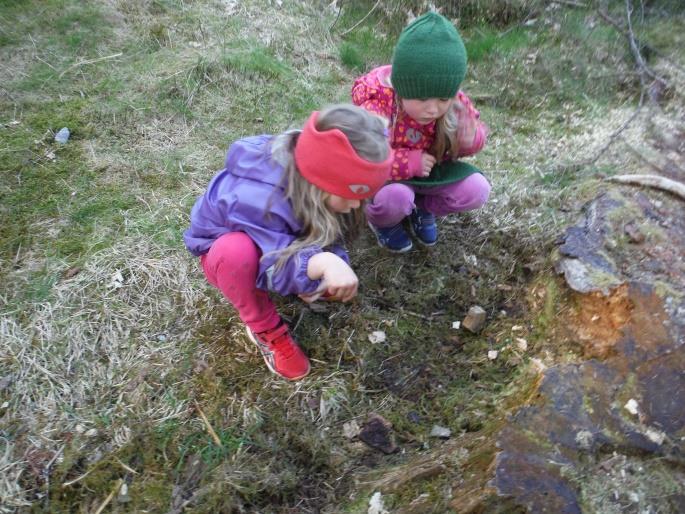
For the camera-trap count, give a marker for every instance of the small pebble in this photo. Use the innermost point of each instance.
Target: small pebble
(521, 344)
(475, 319)
(442, 432)
(631, 406)
(62, 136)
(377, 337)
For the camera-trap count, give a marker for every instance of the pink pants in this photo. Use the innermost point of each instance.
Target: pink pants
(231, 266)
(395, 201)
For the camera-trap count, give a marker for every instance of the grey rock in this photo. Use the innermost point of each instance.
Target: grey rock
(62, 136)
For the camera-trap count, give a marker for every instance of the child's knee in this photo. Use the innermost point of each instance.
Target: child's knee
(470, 193)
(235, 250)
(480, 190)
(394, 200)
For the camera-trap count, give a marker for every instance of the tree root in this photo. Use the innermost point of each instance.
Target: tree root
(655, 181)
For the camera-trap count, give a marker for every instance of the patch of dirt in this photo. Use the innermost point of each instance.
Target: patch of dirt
(598, 320)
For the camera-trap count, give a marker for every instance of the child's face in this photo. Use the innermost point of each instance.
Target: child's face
(341, 205)
(426, 110)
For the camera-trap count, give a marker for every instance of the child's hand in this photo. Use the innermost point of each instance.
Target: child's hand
(341, 282)
(427, 163)
(467, 121)
(337, 278)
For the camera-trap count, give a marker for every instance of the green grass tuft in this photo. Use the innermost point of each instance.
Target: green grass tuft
(486, 41)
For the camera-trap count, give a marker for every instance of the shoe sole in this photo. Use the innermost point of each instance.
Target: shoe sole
(401, 250)
(252, 338)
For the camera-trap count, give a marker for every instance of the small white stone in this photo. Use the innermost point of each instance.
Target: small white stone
(376, 504)
(655, 436)
(456, 325)
(538, 365)
(492, 354)
(377, 336)
(584, 439)
(521, 344)
(442, 432)
(91, 433)
(116, 281)
(62, 136)
(631, 406)
(351, 429)
(80, 428)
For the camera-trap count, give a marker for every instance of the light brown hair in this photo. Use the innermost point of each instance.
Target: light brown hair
(320, 226)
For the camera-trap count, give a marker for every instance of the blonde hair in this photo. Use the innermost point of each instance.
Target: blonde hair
(445, 131)
(320, 226)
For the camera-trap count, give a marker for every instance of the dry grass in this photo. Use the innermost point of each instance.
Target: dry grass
(107, 361)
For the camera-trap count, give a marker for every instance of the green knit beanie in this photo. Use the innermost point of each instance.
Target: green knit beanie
(429, 59)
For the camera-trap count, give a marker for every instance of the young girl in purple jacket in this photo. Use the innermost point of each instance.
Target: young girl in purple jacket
(275, 218)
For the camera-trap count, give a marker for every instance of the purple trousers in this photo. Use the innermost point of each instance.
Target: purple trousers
(396, 201)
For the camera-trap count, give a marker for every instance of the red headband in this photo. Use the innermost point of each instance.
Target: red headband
(327, 160)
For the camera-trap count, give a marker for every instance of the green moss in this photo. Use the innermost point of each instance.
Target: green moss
(551, 305)
(137, 119)
(665, 290)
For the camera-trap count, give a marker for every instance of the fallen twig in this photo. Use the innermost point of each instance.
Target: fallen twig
(89, 61)
(209, 427)
(77, 479)
(636, 50)
(604, 15)
(109, 498)
(570, 3)
(655, 181)
(127, 468)
(362, 20)
(337, 17)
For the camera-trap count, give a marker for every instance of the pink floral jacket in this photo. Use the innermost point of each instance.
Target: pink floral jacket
(409, 139)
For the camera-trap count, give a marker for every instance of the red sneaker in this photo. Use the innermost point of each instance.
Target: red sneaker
(281, 353)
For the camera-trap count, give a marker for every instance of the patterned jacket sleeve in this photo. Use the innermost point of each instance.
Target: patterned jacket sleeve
(406, 163)
(476, 144)
(367, 93)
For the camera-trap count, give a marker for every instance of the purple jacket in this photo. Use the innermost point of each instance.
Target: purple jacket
(246, 196)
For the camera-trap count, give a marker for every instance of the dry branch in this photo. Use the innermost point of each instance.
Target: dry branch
(634, 43)
(570, 3)
(89, 61)
(361, 21)
(655, 181)
(109, 497)
(208, 426)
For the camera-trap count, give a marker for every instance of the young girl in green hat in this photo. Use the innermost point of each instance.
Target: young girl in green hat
(432, 124)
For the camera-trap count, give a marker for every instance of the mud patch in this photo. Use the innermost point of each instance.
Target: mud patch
(598, 320)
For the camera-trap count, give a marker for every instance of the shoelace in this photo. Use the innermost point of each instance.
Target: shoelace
(425, 217)
(278, 338)
(394, 230)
